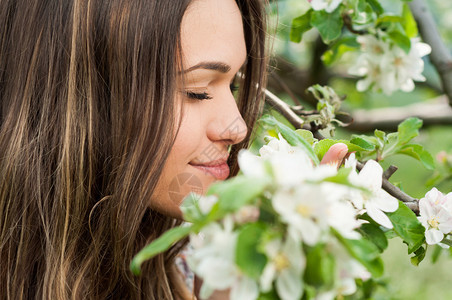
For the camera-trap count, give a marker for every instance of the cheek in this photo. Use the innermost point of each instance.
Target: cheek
(178, 178)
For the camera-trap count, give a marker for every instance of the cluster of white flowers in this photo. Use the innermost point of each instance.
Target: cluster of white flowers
(213, 259)
(387, 67)
(327, 5)
(436, 216)
(308, 205)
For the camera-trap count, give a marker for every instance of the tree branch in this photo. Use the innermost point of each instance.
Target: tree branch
(440, 56)
(297, 122)
(283, 108)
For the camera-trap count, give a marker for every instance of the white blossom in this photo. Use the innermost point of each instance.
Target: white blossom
(375, 200)
(435, 216)
(368, 65)
(290, 166)
(251, 165)
(309, 211)
(386, 66)
(402, 68)
(277, 145)
(213, 259)
(346, 271)
(327, 5)
(342, 216)
(286, 264)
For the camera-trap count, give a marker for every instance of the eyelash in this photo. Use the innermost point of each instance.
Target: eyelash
(205, 96)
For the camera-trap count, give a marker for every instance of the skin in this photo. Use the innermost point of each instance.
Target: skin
(212, 31)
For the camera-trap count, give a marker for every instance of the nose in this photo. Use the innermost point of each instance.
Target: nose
(226, 123)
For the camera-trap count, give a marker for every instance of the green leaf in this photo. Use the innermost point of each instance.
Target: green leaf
(300, 25)
(408, 227)
(235, 193)
(362, 143)
(291, 136)
(339, 48)
(389, 18)
(341, 177)
(306, 135)
(320, 266)
(381, 135)
(247, 257)
(369, 139)
(390, 234)
(409, 23)
(417, 151)
(161, 244)
(365, 252)
(272, 295)
(329, 25)
(310, 293)
(376, 7)
(400, 39)
(419, 256)
(375, 235)
(408, 130)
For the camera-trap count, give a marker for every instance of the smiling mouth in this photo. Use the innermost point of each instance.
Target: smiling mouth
(218, 169)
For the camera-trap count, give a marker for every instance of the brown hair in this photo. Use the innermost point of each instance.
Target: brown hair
(85, 108)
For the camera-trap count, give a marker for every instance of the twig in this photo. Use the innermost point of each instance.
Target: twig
(440, 56)
(283, 108)
(349, 24)
(297, 122)
(391, 170)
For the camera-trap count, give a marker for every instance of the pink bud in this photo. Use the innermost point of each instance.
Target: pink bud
(247, 214)
(441, 156)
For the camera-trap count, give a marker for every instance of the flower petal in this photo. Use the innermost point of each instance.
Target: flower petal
(433, 236)
(378, 216)
(267, 277)
(245, 289)
(250, 164)
(371, 175)
(289, 285)
(385, 202)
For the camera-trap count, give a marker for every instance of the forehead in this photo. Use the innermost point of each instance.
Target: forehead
(212, 30)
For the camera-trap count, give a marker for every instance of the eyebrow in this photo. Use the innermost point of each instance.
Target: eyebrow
(210, 65)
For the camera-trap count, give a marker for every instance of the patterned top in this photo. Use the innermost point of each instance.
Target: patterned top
(182, 265)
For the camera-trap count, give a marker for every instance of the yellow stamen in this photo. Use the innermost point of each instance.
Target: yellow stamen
(304, 210)
(281, 262)
(433, 222)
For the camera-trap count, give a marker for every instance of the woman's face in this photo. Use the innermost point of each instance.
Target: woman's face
(213, 50)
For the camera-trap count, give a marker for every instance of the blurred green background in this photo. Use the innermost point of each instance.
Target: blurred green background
(404, 281)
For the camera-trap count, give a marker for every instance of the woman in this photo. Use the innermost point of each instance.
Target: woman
(104, 104)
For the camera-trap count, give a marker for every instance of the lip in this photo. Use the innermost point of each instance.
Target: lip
(219, 169)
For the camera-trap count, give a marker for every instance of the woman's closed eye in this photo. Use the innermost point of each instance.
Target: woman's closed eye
(198, 96)
(206, 96)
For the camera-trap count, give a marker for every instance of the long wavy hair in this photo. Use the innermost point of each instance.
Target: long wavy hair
(86, 91)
